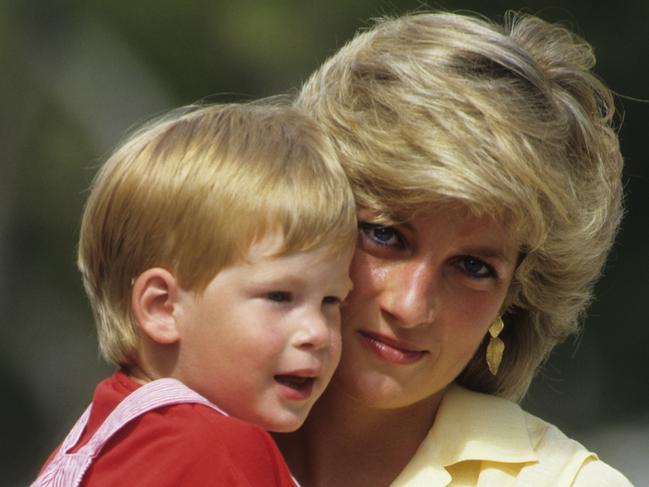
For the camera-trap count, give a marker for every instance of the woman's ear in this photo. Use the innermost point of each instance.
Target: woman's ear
(153, 301)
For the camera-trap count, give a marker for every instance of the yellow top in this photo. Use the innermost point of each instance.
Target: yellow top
(483, 440)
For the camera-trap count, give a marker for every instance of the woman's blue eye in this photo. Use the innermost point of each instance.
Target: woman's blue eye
(380, 234)
(475, 267)
(279, 296)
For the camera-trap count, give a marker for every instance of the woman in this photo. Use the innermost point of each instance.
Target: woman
(488, 175)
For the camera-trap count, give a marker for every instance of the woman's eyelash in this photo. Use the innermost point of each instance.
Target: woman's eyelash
(380, 234)
(388, 236)
(475, 267)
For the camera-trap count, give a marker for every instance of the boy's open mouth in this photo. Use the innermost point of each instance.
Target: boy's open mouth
(295, 382)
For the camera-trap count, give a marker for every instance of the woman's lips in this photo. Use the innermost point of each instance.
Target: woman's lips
(390, 350)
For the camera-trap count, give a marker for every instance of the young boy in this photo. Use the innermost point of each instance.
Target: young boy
(215, 248)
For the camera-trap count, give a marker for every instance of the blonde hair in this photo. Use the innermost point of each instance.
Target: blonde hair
(193, 191)
(509, 121)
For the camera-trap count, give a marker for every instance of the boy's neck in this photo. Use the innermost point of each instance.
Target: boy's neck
(137, 374)
(345, 442)
(152, 361)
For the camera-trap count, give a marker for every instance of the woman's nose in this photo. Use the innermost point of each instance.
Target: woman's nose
(409, 295)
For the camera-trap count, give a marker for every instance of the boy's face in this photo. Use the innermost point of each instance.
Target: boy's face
(263, 340)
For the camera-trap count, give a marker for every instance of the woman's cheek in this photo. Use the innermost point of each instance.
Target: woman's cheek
(368, 273)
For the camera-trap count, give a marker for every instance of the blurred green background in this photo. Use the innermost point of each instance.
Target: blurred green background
(76, 75)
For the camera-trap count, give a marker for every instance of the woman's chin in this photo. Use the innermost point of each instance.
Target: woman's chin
(369, 388)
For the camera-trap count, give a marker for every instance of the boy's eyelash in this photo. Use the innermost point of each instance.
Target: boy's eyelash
(331, 300)
(279, 296)
(285, 297)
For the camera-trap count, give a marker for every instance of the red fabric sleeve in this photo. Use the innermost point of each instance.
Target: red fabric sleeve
(189, 445)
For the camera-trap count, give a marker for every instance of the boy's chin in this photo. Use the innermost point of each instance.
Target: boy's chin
(287, 423)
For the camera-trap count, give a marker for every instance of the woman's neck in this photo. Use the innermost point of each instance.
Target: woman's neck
(345, 442)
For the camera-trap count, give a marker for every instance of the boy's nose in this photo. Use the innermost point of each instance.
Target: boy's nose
(314, 332)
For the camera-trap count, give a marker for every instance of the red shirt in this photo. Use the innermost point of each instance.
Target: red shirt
(183, 444)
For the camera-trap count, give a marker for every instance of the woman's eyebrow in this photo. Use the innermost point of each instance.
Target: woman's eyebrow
(492, 252)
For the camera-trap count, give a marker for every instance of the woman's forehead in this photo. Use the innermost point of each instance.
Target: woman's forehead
(459, 209)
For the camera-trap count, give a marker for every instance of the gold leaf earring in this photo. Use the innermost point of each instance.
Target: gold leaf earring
(496, 346)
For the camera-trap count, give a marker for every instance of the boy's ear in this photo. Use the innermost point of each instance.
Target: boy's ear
(153, 300)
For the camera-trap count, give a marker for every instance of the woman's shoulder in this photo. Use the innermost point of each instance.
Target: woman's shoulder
(495, 442)
(562, 454)
(596, 473)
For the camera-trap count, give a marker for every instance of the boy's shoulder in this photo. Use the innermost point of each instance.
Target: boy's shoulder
(189, 444)
(201, 427)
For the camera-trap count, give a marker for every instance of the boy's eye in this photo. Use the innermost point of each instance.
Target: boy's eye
(380, 234)
(279, 296)
(331, 300)
(475, 267)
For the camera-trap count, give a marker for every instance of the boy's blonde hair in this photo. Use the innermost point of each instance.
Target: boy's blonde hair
(193, 191)
(507, 121)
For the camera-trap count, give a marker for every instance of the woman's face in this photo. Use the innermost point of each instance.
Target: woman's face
(425, 293)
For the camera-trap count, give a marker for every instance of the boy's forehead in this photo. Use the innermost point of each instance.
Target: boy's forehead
(265, 249)
(272, 248)
(310, 269)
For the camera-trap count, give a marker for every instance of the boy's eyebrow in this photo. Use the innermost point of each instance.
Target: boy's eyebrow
(268, 279)
(293, 280)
